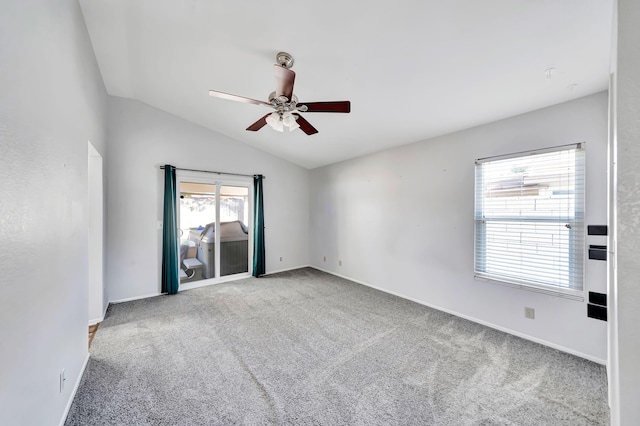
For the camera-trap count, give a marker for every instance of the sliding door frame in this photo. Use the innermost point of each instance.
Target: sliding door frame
(219, 180)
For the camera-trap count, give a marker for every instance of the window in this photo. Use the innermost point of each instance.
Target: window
(529, 219)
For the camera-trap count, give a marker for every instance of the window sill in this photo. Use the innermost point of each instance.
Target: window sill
(577, 295)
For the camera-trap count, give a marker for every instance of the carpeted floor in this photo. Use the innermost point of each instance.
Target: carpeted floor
(307, 348)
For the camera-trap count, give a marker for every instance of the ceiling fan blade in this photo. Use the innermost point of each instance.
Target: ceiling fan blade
(237, 98)
(259, 124)
(338, 106)
(305, 126)
(284, 81)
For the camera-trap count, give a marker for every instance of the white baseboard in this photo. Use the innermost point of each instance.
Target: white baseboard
(476, 320)
(99, 320)
(129, 299)
(73, 392)
(287, 269)
(96, 321)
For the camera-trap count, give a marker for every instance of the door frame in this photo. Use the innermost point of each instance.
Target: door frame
(97, 298)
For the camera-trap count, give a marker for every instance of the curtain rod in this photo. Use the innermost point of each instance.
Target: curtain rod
(217, 173)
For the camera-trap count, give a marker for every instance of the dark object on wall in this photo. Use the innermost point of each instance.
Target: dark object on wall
(597, 229)
(597, 312)
(598, 298)
(597, 252)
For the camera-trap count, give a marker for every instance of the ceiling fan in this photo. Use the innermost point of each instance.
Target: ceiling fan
(285, 103)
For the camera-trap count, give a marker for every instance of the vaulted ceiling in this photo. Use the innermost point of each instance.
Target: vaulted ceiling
(412, 69)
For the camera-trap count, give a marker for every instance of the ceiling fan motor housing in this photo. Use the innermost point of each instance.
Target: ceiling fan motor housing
(282, 104)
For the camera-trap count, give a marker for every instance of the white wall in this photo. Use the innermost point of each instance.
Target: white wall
(625, 409)
(52, 102)
(142, 138)
(402, 220)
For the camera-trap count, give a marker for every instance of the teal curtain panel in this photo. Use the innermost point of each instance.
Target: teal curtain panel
(170, 278)
(258, 227)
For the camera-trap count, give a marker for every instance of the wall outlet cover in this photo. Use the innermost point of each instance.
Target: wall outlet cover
(530, 313)
(62, 380)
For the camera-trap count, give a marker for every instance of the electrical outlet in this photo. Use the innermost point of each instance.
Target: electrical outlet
(339, 262)
(62, 380)
(280, 258)
(325, 258)
(530, 313)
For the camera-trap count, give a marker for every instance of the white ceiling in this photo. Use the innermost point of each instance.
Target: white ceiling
(412, 69)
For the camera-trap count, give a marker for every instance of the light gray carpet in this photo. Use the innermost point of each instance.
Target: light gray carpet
(307, 348)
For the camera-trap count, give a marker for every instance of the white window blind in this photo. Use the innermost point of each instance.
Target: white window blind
(529, 219)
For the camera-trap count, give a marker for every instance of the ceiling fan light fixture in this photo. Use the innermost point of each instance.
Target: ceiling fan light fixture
(290, 121)
(274, 120)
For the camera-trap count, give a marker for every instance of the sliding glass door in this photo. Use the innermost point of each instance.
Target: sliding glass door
(234, 230)
(214, 228)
